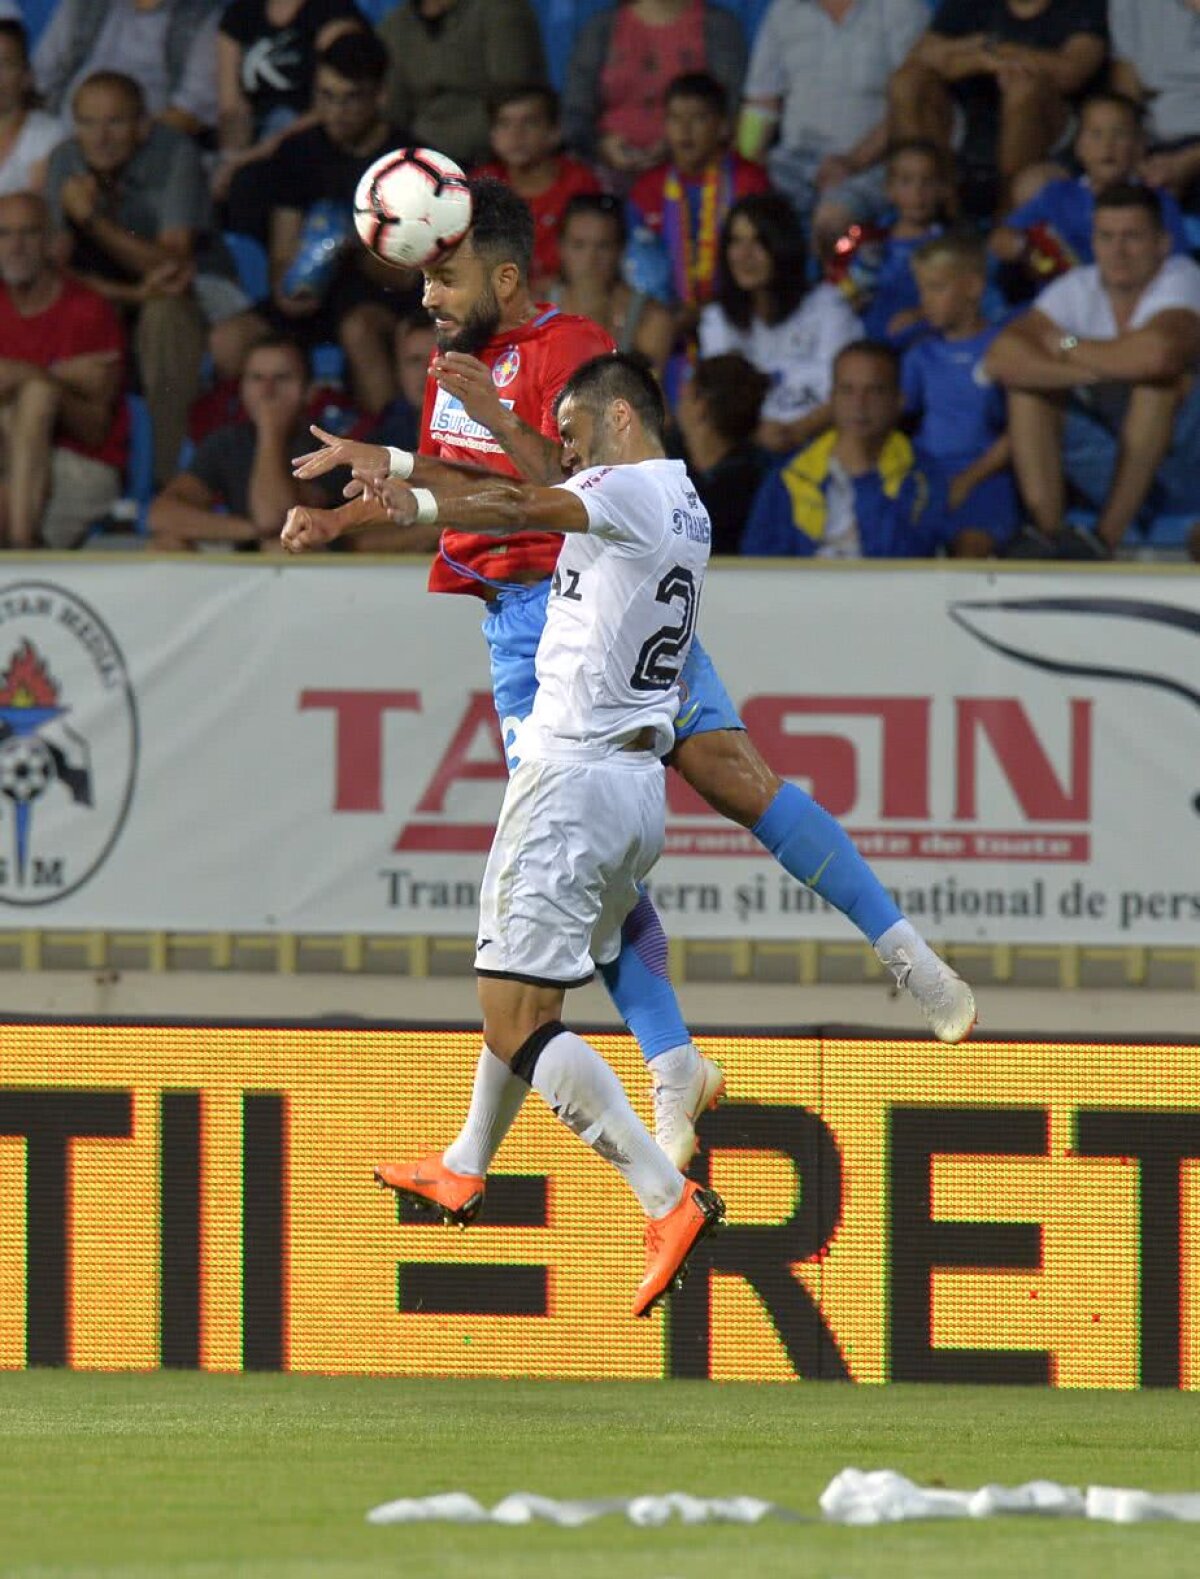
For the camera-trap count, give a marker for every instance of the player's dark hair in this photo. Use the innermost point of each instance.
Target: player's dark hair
(777, 226)
(360, 57)
(1121, 101)
(618, 376)
(546, 97)
(701, 85)
(602, 203)
(1131, 194)
(732, 390)
(128, 87)
(875, 348)
(501, 225)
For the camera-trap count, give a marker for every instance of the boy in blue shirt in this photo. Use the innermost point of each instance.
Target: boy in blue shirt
(860, 490)
(1052, 232)
(962, 417)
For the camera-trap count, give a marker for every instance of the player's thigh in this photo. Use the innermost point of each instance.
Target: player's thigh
(637, 799)
(704, 703)
(543, 883)
(512, 628)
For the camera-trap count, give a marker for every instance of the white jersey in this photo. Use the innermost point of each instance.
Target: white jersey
(621, 613)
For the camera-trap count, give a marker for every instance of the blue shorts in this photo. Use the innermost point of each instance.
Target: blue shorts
(992, 506)
(512, 628)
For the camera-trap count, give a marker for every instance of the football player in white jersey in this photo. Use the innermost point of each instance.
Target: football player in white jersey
(584, 813)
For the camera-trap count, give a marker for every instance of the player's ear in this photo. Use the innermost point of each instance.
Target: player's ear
(506, 281)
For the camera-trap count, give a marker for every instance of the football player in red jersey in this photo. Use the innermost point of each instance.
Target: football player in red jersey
(502, 360)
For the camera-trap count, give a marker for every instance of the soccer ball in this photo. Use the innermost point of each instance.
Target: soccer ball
(411, 206)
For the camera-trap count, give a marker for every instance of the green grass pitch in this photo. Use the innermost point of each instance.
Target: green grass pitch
(261, 1476)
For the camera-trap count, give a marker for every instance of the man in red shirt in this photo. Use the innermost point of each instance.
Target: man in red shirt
(64, 424)
(525, 140)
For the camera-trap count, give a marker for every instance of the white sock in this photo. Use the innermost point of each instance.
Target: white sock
(676, 1066)
(587, 1096)
(496, 1099)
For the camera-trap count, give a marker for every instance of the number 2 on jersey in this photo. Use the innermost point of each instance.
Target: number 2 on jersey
(658, 663)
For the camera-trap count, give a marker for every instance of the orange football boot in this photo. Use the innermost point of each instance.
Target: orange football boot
(455, 1197)
(670, 1240)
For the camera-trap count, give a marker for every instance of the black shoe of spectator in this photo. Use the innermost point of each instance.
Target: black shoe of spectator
(1077, 543)
(1032, 543)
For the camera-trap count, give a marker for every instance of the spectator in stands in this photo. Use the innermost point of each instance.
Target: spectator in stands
(63, 424)
(997, 81)
(625, 58)
(266, 57)
(1156, 62)
(131, 198)
(764, 309)
(590, 247)
(168, 47)
(917, 192)
(526, 139)
(686, 200)
(450, 58)
(818, 84)
(325, 287)
(400, 422)
(1101, 383)
(859, 491)
(718, 411)
(961, 415)
(27, 134)
(1052, 231)
(238, 486)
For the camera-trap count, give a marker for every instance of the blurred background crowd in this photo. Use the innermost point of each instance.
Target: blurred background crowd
(917, 278)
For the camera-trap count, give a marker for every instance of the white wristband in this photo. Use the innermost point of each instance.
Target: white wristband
(400, 462)
(427, 507)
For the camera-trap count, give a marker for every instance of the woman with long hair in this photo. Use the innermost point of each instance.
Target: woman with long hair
(591, 240)
(766, 309)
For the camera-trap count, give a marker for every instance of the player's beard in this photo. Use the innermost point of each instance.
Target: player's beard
(476, 329)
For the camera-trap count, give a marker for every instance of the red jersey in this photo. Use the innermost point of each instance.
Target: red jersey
(529, 366)
(79, 322)
(547, 208)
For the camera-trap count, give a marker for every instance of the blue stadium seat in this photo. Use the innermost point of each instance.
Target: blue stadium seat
(250, 258)
(139, 471)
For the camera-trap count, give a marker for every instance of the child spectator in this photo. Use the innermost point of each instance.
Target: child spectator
(686, 200)
(916, 190)
(591, 243)
(764, 309)
(859, 491)
(962, 415)
(717, 411)
(525, 140)
(1052, 232)
(26, 134)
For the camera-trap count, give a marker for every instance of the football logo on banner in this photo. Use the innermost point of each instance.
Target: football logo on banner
(68, 743)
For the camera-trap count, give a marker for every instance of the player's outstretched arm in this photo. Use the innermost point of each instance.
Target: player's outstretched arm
(307, 527)
(497, 506)
(371, 464)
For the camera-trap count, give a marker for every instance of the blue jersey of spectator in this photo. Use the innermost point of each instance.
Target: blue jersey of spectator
(895, 291)
(1068, 207)
(812, 506)
(962, 414)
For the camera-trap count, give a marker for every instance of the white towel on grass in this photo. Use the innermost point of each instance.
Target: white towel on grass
(522, 1507)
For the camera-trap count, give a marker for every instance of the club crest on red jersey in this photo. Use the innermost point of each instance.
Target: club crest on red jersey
(506, 368)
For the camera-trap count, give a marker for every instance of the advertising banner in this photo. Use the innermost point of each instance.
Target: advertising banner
(202, 1197)
(312, 748)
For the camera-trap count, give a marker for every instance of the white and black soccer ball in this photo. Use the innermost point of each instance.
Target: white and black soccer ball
(412, 206)
(26, 769)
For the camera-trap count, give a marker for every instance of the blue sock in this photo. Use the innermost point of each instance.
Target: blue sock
(817, 850)
(638, 983)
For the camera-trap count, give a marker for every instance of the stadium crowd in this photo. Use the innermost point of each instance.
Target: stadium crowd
(915, 275)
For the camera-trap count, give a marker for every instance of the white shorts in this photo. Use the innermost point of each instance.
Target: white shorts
(573, 841)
